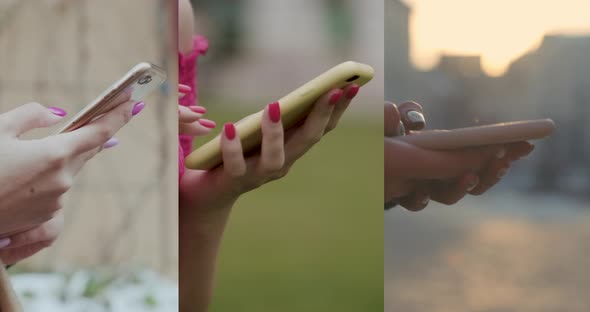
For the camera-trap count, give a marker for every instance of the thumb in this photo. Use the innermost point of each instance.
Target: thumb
(30, 116)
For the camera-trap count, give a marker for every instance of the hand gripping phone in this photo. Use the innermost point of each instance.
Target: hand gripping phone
(136, 84)
(295, 107)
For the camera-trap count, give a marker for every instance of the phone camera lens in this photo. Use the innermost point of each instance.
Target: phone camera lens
(353, 78)
(144, 80)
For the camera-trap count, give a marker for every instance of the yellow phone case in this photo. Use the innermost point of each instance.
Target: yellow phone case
(294, 107)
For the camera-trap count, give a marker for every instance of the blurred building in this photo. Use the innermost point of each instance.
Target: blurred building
(552, 81)
(398, 69)
(265, 48)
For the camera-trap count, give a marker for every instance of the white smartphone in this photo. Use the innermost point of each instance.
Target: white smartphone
(500, 133)
(136, 84)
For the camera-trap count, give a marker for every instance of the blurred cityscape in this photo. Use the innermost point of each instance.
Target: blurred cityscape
(551, 81)
(510, 249)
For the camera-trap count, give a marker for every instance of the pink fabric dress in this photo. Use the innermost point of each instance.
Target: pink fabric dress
(187, 75)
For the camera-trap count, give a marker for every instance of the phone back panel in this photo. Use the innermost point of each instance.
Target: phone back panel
(295, 106)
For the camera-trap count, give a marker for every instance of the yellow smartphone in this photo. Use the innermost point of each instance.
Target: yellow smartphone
(136, 84)
(295, 106)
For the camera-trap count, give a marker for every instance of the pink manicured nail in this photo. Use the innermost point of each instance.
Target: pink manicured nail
(230, 131)
(335, 97)
(112, 142)
(137, 108)
(274, 112)
(57, 111)
(352, 92)
(207, 123)
(198, 109)
(184, 88)
(4, 242)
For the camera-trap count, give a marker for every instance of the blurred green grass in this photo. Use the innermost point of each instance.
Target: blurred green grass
(312, 241)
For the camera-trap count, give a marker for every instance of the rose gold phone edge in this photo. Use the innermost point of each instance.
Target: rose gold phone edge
(501, 133)
(95, 108)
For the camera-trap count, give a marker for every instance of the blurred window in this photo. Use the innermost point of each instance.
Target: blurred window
(339, 25)
(226, 18)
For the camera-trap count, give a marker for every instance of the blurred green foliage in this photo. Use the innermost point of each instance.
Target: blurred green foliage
(314, 240)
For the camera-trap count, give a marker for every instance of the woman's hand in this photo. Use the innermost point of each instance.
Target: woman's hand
(206, 197)
(190, 121)
(414, 176)
(35, 174)
(22, 245)
(210, 190)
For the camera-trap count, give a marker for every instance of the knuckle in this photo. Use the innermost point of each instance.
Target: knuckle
(313, 137)
(52, 210)
(125, 116)
(237, 172)
(46, 243)
(449, 202)
(331, 126)
(57, 157)
(38, 111)
(276, 163)
(280, 174)
(103, 134)
(63, 183)
(275, 135)
(34, 106)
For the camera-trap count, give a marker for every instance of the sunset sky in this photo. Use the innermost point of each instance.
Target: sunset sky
(499, 30)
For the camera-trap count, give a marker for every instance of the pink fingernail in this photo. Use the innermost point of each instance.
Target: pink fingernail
(4, 242)
(352, 92)
(137, 108)
(335, 97)
(112, 142)
(57, 111)
(198, 109)
(184, 88)
(274, 112)
(207, 123)
(230, 131)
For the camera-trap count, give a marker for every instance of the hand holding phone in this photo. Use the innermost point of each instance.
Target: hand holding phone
(294, 108)
(136, 84)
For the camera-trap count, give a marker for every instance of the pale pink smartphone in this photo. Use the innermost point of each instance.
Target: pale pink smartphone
(501, 133)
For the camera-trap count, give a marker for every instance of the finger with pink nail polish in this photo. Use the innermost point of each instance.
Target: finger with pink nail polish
(112, 142)
(137, 108)
(4, 242)
(57, 111)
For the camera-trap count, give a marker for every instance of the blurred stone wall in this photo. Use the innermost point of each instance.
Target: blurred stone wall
(122, 210)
